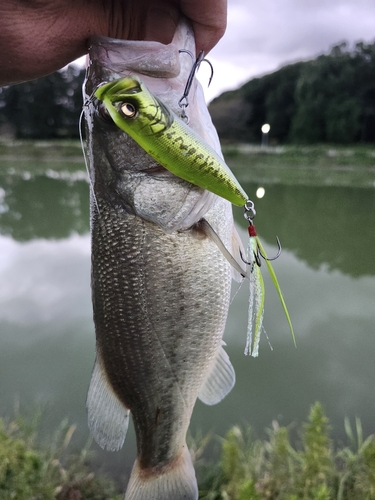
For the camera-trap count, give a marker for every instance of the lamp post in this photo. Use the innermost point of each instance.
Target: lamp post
(265, 129)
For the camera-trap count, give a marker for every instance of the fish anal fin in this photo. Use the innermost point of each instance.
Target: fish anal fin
(220, 380)
(176, 481)
(108, 418)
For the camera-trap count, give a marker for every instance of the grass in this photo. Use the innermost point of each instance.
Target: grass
(316, 156)
(274, 469)
(31, 472)
(35, 157)
(318, 165)
(248, 469)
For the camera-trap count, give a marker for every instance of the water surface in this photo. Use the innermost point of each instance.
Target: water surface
(327, 274)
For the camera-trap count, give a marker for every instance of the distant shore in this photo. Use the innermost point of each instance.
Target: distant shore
(318, 165)
(313, 165)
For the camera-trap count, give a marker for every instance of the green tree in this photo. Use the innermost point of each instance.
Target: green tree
(334, 97)
(46, 108)
(342, 120)
(328, 99)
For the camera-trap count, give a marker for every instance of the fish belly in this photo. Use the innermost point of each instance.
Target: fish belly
(160, 306)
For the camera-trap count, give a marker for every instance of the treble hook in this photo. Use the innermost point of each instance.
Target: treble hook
(258, 254)
(184, 101)
(278, 252)
(256, 257)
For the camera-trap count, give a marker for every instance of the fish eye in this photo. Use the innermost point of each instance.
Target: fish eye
(128, 109)
(104, 113)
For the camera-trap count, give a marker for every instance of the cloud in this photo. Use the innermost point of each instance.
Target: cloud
(263, 36)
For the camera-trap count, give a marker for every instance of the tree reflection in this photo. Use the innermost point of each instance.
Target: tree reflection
(333, 226)
(42, 207)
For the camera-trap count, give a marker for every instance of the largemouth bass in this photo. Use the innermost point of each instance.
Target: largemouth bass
(160, 283)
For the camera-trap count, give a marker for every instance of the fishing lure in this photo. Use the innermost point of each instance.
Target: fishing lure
(167, 138)
(257, 291)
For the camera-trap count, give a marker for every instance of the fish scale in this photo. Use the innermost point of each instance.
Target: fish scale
(131, 320)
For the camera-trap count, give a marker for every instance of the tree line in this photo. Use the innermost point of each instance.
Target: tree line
(47, 108)
(328, 99)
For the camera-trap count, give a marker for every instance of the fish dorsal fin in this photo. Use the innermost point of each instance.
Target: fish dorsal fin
(220, 380)
(107, 417)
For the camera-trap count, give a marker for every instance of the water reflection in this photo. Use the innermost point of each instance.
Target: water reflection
(41, 280)
(43, 206)
(321, 225)
(327, 276)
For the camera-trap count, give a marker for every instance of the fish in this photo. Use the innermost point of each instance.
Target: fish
(160, 282)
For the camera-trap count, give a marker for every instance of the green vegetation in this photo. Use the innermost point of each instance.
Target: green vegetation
(46, 108)
(20, 156)
(328, 99)
(313, 165)
(274, 469)
(249, 469)
(29, 472)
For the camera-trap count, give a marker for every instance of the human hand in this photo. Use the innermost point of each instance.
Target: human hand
(38, 37)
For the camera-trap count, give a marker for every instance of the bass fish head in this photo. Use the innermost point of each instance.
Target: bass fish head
(121, 170)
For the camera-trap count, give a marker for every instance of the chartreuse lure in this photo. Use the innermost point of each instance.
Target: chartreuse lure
(167, 138)
(257, 292)
(173, 144)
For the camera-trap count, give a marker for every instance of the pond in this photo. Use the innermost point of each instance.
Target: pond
(326, 271)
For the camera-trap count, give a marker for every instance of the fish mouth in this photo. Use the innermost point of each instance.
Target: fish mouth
(157, 170)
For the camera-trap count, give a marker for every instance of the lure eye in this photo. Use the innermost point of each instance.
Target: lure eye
(128, 109)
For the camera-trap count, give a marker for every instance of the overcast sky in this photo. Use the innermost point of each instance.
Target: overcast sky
(265, 35)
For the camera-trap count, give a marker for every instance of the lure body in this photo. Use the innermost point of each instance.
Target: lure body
(168, 139)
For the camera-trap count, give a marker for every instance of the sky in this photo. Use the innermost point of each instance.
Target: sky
(262, 36)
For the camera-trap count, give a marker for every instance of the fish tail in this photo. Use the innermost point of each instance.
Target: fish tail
(176, 481)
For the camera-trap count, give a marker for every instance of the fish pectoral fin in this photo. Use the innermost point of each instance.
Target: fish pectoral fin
(108, 418)
(220, 380)
(238, 267)
(237, 249)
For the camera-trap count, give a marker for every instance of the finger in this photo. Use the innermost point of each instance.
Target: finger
(209, 20)
(161, 22)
